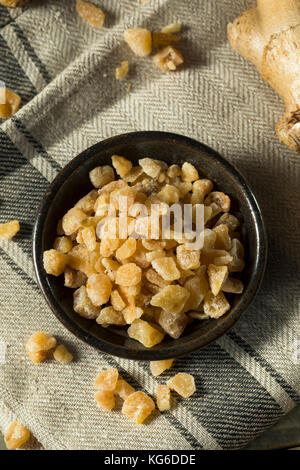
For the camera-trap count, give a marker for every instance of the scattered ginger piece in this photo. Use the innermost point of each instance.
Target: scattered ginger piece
(172, 28)
(139, 40)
(183, 384)
(168, 59)
(158, 367)
(9, 229)
(105, 399)
(13, 3)
(163, 397)
(16, 435)
(122, 71)
(90, 13)
(107, 379)
(61, 354)
(138, 406)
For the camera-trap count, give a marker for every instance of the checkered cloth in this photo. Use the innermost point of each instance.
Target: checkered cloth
(64, 71)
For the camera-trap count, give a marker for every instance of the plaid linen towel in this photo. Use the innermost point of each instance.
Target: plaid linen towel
(64, 71)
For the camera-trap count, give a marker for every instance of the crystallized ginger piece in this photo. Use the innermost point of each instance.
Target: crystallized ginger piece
(61, 354)
(129, 275)
(9, 103)
(169, 194)
(89, 238)
(87, 203)
(83, 305)
(63, 244)
(121, 164)
(163, 39)
(9, 229)
(172, 28)
(163, 397)
(108, 247)
(234, 286)
(138, 406)
(171, 298)
(183, 384)
(173, 323)
(40, 341)
(99, 288)
(166, 268)
(71, 221)
(124, 389)
(189, 173)
(143, 332)
(121, 73)
(105, 399)
(117, 301)
(131, 313)
(126, 250)
(36, 357)
(187, 259)
(215, 306)
(101, 176)
(223, 239)
(158, 367)
(217, 275)
(109, 316)
(151, 167)
(198, 288)
(90, 13)
(139, 40)
(153, 277)
(107, 379)
(168, 59)
(16, 435)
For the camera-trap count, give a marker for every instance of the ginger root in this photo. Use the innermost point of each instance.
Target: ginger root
(269, 36)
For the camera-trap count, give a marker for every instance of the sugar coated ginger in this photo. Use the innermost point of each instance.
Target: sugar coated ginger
(269, 36)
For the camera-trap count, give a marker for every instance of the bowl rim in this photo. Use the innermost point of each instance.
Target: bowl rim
(149, 354)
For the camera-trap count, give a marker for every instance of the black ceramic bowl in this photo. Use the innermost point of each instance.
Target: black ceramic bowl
(73, 182)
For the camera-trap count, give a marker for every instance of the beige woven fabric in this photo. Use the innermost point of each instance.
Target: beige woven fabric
(64, 71)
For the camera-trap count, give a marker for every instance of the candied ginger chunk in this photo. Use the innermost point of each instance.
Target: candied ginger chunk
(189, 173)
(16, 435)
(183, 384)
(83, 305)
(9, 102)
(171, 298)
(168, 59)
(217, 275)
(139, 40)
(163, 397)
(215, 306)
(121, 73)
(121, 164)
(166, 268)
(138, 406)
(158, 367)
(107, 379)
(99, 288)
(101, 176)
(105, 399)
(9, 229)
(40, 341)
(90, 13)
(146, 334)
(109, 316)
(124, 389)
(61, 354)
(129, 275)
(54, 262)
